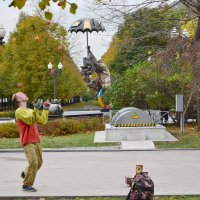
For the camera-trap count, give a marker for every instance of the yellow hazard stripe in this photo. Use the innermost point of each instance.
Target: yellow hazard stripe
(135, 125)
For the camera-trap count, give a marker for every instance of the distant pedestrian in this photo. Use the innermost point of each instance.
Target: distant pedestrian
(27, 120)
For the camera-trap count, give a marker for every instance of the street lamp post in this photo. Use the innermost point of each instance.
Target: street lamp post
(2, 34)
(54, 73)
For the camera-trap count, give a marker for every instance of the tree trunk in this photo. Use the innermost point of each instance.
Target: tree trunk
(196, 74)
(2, 103)
(198, 113)
(197, 32)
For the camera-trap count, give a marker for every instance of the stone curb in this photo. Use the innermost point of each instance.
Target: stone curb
(93, 149)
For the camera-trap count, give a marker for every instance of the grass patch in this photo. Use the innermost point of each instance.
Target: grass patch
(177, 198)
(69, 141)
(93, 103)
(73, 106)
(109, 198)
(6, 143)
(75, 140)
(80, 105)
(190, 138)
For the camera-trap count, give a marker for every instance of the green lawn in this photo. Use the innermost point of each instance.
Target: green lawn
(190, 138)
(75, 140)
(110, 198)
(156, 198)
(81, 105)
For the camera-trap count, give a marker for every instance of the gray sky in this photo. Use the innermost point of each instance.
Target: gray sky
(99, 42)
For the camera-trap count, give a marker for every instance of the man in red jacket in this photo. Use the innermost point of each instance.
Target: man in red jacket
(27, 120)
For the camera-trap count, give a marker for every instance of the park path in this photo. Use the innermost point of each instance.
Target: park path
(102, 173)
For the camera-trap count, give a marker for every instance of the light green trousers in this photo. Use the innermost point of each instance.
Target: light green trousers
(33, 153)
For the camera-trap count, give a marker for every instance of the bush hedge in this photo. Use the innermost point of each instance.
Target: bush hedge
(70, 126)
(9, 130)
(10, 114)
(56, 127)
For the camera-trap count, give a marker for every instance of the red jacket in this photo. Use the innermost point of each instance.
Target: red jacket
(27, 120)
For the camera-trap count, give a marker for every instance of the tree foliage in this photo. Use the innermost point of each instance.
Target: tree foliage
(44, 5)
(26, 55)
(143, 33)
(148, 86)
(137, 82)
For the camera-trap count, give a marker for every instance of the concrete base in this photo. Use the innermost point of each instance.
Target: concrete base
(100, 137)
(134, 138)
(137, 145)
(155, 133)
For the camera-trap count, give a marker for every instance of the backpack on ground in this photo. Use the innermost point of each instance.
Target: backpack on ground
(142, 187)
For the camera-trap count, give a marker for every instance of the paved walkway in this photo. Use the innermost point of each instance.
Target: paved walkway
(102, 173)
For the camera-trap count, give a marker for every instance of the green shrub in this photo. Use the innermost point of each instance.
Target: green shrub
(56, 127)
(70, 126)
(10, 114)
(9, 130)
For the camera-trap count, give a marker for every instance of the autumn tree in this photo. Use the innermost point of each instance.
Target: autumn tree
(27, 53)
(143, 32)
(141, 83)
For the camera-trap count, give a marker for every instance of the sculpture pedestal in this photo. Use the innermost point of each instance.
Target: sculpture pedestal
(154, 133)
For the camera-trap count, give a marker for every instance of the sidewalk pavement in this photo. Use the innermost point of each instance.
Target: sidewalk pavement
(102, 173)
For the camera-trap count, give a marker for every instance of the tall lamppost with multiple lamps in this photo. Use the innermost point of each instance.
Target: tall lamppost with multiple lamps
(55, 73)
(2, 34)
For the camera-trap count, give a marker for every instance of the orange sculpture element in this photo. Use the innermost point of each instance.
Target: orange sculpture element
(48, 22)
(20, 85)
(37, 38)
(60, 48)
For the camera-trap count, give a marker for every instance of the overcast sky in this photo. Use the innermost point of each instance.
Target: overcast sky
(99, 42)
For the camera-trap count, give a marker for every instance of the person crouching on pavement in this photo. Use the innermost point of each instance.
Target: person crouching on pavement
(27, 120)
